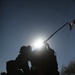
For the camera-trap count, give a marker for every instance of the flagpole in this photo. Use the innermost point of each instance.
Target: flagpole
(55, 32)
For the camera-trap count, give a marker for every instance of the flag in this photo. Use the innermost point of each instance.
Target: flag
(71, 24)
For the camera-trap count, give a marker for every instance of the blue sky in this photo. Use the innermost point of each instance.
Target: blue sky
(24, 21)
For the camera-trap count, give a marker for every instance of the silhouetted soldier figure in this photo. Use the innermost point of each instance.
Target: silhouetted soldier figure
(36, 61)
(44, 62)
(22, 59)
(11, 67)
(19, 66)
(52, 65)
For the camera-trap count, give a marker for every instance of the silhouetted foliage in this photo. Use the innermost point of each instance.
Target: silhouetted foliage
(68, 70)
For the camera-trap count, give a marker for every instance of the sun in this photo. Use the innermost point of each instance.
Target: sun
(38, 43)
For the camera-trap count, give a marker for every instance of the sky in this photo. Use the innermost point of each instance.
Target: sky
(23, 21)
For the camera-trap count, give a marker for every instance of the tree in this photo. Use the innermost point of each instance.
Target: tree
(68, 70)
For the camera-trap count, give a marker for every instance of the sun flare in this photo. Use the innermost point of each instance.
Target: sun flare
(38, 43)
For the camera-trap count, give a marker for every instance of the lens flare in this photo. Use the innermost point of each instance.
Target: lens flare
(38, 43)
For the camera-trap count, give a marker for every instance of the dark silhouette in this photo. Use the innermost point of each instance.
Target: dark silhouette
(22, 59)
(3, 73)
(19, 66)
(44, 61)
(52, 66)
(11, 67)
(68, 69)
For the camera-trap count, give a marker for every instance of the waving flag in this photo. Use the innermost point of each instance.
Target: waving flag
(71, 24)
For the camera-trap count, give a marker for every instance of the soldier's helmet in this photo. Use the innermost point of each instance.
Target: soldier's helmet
(29, 48)
(23, 49)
